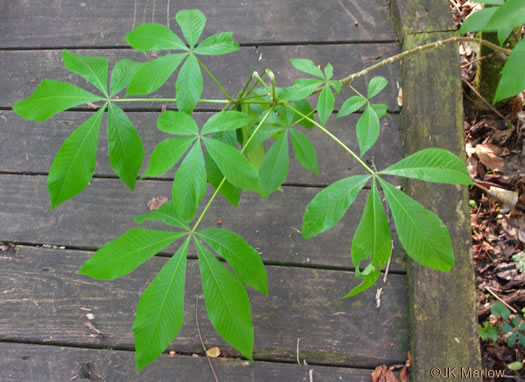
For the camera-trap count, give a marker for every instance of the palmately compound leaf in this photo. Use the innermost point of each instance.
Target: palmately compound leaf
(215, 178)
(75, 161)
(512, 80)
(432, 165)
(52, 97)
(330, 205)
(304, 151)
(372, 238)
(189, 184)
(380, 109)
(166, 155)
(274, 167)
(93, 69)
(121, 75)
(351, 105)
(191, 22)
(511, 14)
(167, 213)
(328, 71)
(233, 165)
(226, 120)
(300, 89)
(125, 148)
(178, 123)
(307, 66)
(242, 257)
(325, 104)
(154, 37)
(227, 302)
(422, 233)
(189, 85)
(375, 86)
(160, 311)
(367, 130)
(121, 256)
(477, 20)
(152, 75)
(369, 280)
(221, 43)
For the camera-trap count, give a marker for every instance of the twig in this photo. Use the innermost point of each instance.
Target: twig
(516, 296)
(457, 9)
(469, 63)
(297, 351)
(200, 338)
(485, 101)
(501, 300)
(385, 278)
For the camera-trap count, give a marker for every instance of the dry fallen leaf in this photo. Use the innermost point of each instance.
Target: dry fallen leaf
(508, 198)
(383, 374)
(488, 155)
(213, 352)
(157, 202)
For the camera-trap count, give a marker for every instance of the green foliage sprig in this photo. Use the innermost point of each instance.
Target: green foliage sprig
(230, 153)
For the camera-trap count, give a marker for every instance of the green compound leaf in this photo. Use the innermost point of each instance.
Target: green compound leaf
(75, 161)
(242, 257)
(330, 205)
(367, 129)
(477, 20)
(93, 69)
(178, 123)
(121, 75)
(191, 22)
(351, 105)
(304, 151)
(215, 176)
(422, 233)
(189, 85)
(154, 37)
(52, 97)
(167, 213)
(226, 120)
(227, 302)
(152, 75)
(126, 151)
(307, 66)
(221, 43)
(274, 167)
(325, 104)
(189, 184)
(160, 311)
(235, 167)
(432, 165)
(375, 86)
(500, 310)
(369, 280)
(121, 256)
(328, 71)
(166, 155)
(513, 75)
(380, 109)
(511, 14)
(304, 107)
(300, 89)
(372, 238)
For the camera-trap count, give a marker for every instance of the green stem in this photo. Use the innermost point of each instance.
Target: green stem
(354, 155)
(224, 178)
(221, 101)
(214, 79)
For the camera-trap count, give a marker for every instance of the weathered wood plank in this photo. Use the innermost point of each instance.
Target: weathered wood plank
(106, 209)
(24, 70)
(30, 147)
(418, 16)
(42, 297)
(442, 305)
(93, 24)
(37, 363)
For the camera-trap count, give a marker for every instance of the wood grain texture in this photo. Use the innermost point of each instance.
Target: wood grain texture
(86, 23)
(42, 299)
(26, 69)
(105, 210)
(30, 147)
(442, 305)
(37, 363)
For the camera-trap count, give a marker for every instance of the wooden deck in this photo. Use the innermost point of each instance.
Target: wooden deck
(43, 336)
